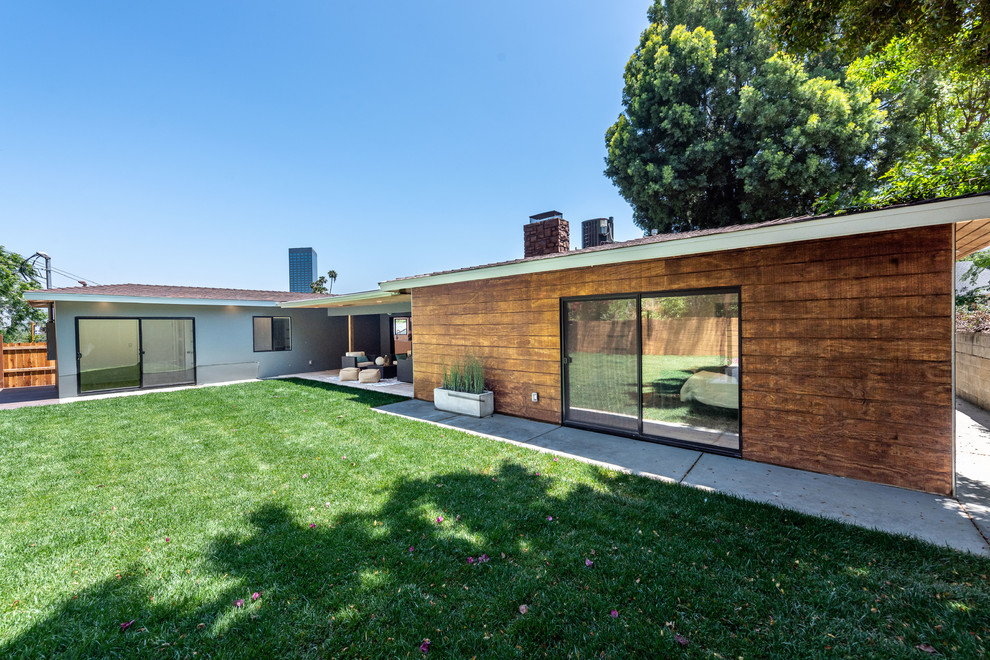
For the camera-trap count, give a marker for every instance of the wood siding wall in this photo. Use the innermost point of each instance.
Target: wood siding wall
(846, 355)
(25, 365)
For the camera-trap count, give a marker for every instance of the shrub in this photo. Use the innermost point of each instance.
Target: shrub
(467, 376)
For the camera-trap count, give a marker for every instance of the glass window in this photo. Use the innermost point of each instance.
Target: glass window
(272, 333)
(690, 364)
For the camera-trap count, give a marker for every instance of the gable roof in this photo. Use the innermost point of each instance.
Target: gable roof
(771, 232)
(150, 293)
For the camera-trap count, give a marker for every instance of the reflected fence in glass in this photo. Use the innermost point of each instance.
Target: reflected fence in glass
(663, 366)
(602, 363)
(690, 367)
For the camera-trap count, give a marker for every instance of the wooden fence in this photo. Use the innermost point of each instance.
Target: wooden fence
(681, 336)
(25, 365)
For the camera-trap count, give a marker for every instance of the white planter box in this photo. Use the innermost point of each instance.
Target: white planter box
(464, 403)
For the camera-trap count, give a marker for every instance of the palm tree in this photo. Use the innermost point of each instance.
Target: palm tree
(332, 276)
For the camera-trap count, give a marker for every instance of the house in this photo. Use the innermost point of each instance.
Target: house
(819, 343)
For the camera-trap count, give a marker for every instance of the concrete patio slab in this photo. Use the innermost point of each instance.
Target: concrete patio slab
(973, 463)
(416, 409)
(21, 397)
(642, 458)
(939, 520)
(502, 427)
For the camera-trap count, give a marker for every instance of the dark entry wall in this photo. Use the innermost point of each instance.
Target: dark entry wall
(366, 334)
(846, 346)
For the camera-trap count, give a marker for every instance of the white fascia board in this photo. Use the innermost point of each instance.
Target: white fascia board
(907, 217)
(384, 308)
(341, 300)
(42, 296)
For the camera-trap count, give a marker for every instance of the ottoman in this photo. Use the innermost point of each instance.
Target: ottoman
(349, 373)
(369, 376)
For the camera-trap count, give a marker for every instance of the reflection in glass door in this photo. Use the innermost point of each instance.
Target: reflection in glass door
(601, 363)
(691, 368)
(129, 353)
(168, 356)
(108, 354)
(658, 366)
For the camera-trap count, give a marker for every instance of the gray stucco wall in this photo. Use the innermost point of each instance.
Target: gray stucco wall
(224, 339)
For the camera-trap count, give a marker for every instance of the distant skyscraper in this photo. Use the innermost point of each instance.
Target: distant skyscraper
(302, 269)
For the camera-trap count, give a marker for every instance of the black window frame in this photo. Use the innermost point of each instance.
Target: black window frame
(141, 385)
(639, 435)
(271, 329)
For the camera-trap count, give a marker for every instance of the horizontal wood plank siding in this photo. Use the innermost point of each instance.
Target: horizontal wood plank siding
(846, 346)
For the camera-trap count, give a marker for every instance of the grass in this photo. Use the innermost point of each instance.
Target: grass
(167, 508)
(601, 381)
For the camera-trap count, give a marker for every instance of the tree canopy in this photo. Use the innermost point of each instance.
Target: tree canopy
(958, 31)
(320, 285)
(719, 130)
(15, 312)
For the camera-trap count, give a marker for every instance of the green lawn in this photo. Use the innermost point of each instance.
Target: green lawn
(167, 508)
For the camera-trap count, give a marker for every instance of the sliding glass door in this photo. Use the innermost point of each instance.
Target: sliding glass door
(602, 362)
(108, 354)
(691, 368)
(169, 355)
(129, 353)
(660, 366)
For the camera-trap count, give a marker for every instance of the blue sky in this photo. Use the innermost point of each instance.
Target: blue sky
(193, 143)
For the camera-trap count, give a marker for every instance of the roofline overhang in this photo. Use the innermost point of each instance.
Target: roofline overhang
(43, 296)
(949, 211)
(358, 299)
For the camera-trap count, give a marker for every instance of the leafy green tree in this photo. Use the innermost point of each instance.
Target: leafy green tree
(320, 285)
(15, 313)
(718, 130)
(957, 31)
(940, 115)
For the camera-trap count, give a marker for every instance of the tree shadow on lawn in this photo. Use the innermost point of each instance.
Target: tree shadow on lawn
(370, 398)
(670, 561)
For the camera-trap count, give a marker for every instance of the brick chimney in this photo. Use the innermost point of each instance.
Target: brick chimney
(546, 233)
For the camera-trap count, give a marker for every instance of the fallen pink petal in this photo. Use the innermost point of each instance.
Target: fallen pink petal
(523, 609)
(681, 639)
(439, 519)
(167, 539)
(425, 646)
(239, 602)
(256, 595)
(410, 549)
(312, 525)
(305, 476)
(589, 563)
(125, 626)
(549, 518)
(615, 614)
(470, 560)
(483, 558)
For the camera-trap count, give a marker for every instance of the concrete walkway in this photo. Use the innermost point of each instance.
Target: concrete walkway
(973, 462)
(939, 520)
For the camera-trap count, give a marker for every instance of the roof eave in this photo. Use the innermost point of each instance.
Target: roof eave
(906, 217)
(346, 300)
(43, 296)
